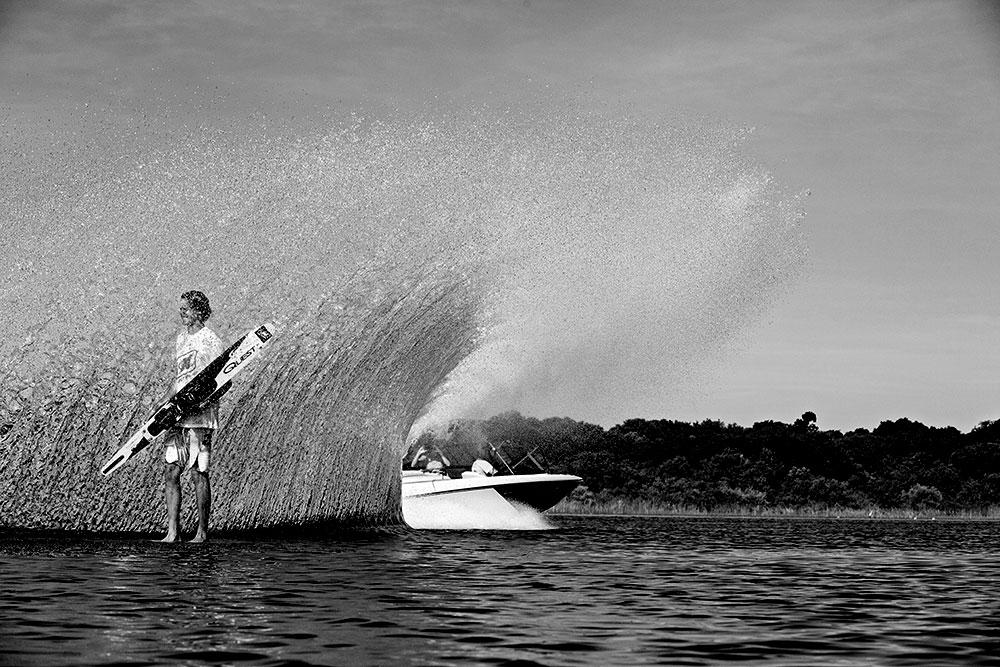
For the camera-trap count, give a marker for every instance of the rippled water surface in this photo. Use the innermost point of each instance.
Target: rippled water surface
(592, 591)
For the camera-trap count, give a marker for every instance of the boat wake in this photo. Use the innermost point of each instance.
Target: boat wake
(419, 269)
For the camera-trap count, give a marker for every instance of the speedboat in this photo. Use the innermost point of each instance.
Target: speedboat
(471, 493)
(433, 499)
(539, 491)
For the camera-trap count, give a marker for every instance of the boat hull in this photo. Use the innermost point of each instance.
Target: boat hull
(540, 491)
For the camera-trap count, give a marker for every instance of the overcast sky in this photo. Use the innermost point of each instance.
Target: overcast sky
(887, 112)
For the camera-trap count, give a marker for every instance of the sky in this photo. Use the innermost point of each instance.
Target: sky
(888, 113)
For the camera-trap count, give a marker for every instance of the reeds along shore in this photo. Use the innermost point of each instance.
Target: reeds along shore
(645, 508)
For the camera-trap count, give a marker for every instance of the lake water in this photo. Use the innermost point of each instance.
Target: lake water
(591, 591)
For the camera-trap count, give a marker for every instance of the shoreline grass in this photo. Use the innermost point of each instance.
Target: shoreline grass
(646, 508)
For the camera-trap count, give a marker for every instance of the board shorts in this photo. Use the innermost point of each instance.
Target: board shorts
(189, 446)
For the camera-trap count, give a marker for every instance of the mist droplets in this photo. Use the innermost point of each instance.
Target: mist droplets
(545, 258)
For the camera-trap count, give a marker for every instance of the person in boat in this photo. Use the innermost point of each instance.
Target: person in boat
(431, 459)
(483, 468)
(188, 446)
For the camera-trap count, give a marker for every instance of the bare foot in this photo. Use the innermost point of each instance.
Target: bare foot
(170, 538)
(199, 537)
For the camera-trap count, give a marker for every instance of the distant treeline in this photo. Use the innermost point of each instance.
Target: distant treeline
(712, 466)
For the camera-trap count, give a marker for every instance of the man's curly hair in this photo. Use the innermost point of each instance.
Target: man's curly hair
(199, 304)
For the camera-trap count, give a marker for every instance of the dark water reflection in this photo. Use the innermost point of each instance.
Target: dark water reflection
(595, 591)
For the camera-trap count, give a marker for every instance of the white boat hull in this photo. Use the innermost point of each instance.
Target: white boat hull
(432, 500)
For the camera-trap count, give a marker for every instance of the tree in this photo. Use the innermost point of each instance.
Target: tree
(920, 497)
(806, 423)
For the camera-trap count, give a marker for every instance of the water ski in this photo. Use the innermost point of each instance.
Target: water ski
(203, 389)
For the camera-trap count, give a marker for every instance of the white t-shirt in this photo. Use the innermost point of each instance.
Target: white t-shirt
(194, 352)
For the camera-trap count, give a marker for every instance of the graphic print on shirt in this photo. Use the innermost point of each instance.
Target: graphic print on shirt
(186, 364)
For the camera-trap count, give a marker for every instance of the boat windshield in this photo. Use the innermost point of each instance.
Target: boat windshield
(454, 458)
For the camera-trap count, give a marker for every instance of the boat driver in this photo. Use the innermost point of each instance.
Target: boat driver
(431, 459)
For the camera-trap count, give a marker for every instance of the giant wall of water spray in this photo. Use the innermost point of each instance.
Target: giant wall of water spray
(417, 269)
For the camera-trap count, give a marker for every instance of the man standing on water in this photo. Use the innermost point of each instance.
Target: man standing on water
(189, 444)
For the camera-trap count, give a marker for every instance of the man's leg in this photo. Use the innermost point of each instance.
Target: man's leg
(203, 492)
(202, 483)
(172, 492)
